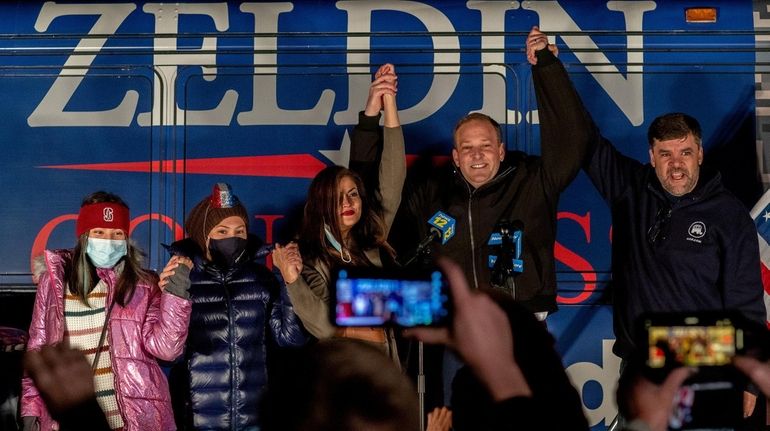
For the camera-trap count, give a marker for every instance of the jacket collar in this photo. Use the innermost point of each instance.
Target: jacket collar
(506, 169)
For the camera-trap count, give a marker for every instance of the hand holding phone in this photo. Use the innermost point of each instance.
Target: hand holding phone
(709, 344)
(712, 397)
(480, 332)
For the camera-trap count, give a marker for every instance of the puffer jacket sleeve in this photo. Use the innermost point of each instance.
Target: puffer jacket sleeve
(284, 323)
(31, 402)
(166, 324)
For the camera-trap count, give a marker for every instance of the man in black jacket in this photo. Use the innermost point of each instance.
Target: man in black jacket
(681, 241)
(485, 185)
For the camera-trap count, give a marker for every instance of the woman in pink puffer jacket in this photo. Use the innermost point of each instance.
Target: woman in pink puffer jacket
(99, 300)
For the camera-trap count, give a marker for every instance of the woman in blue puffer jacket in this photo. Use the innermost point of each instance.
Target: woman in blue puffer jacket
(239, 311)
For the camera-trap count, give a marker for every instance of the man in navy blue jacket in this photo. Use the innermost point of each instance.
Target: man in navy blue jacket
(681, 241)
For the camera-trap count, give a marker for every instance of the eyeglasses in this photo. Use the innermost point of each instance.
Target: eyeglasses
(661, 221)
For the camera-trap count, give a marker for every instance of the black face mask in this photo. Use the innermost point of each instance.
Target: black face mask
(226, 252)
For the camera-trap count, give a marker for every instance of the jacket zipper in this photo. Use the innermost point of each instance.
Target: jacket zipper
(473, 243)
(118, 393)
(232, 352)
(470, 221)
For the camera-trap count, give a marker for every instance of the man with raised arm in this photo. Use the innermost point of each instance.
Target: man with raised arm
(485, 185)
(681, 241)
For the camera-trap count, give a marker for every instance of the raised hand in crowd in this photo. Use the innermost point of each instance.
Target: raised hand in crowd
(514, 383)
(440, 419)
(481, 334)
(641, 400)
(653, 404)
(64, 379)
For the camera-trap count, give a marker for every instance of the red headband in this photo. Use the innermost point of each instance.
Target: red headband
(107, 215)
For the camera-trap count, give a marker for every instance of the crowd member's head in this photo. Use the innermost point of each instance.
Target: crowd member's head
(478, 148)
(219, 225)
(340, 385)
(676, 152)
(102, 235)
(338, 212)
(534, 352)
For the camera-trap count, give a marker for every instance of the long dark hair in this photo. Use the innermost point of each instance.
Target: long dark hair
(322, 206)
(82, 276)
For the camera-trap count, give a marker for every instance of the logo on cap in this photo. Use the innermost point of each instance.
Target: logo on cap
(108, 214)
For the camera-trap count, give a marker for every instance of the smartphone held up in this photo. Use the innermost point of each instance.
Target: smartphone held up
(712, 398)
(402, 298)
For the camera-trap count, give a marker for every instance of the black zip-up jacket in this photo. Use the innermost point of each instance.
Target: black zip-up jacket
(696, 253)
(237, 315)
(525, 189)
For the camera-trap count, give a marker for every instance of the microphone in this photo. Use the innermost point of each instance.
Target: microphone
(264, 250)
(507, 239)
(442, 227)
(505, 258)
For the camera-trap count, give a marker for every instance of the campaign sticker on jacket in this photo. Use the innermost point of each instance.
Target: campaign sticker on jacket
(696, 231)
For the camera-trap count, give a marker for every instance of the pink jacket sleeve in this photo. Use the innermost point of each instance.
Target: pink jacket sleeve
(166, 324)
(31, 403)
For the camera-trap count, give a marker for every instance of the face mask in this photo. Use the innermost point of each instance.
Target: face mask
(105, 253)
(226, 252)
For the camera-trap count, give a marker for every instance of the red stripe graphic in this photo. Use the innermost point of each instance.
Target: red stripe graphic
(765, 278)
(294, 166)
(287, 166)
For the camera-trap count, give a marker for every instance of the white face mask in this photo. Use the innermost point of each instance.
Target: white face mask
(105, 253)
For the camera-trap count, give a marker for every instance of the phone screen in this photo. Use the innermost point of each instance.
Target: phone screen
(711, 345)
(375, 298)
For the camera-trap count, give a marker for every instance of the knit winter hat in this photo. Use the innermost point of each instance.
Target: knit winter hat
(209, 212)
